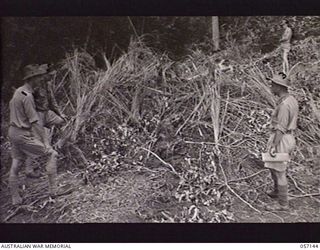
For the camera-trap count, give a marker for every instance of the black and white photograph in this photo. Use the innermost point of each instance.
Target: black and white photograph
(160, 119)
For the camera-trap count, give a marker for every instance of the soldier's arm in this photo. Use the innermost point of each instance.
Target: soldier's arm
(53, 105)
(277, 137)
(281, 124)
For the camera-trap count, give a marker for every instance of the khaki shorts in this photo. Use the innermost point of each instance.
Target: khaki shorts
(286, 47)
(286, 145)
(25, 145)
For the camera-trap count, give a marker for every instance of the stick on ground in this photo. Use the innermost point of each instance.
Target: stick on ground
(227, 185)
(165, 163)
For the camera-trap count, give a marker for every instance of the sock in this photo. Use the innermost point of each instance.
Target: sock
(283, 195)
(275, 183)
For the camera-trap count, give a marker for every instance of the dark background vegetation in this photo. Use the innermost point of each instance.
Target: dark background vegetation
(28, 40)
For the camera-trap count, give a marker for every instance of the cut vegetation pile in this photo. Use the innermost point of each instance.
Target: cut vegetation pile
(185, 137)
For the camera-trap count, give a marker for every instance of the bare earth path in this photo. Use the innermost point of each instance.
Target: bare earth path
(133, 196)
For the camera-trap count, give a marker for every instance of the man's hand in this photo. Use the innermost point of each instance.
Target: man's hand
(272, 151)
(48, 146)
(59, 144)
(50, 150)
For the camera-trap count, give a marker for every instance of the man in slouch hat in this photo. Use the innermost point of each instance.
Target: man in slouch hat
(27, 134)
(285, 44)
(282, 140)
(48, 111)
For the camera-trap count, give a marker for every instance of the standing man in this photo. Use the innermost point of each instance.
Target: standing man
(282, 140)
(285, 44)
(48, 111)
(26, 132)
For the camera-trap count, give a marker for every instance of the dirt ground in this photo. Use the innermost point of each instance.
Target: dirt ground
(139, 195)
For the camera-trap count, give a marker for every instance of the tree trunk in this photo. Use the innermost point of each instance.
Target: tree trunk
(215, 32)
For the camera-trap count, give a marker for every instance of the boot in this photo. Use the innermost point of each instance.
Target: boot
(283, 196)
(14, 188)
(33, 174)
(275, 193)
(283, 204)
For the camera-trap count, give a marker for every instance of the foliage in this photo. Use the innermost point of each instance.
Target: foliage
(206, 126)
(191, 115)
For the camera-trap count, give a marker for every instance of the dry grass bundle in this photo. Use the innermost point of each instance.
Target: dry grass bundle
(82, 88)
(130, 76)
(258, 81)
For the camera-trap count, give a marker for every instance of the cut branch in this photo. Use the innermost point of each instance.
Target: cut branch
(227, 185)
(159, 158)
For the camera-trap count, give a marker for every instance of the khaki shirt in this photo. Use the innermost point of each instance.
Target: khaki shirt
(285, 116)
(22, 108)
(44, 99)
